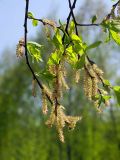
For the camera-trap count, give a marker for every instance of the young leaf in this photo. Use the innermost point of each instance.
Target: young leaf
(34, 50)
(106, 97)
(57, 40)
(74, 37)
(30, 15)
(72, 27)
(80, 63)
(79, 48)
(115, 23)
(35, 44)
(115, 36)
(94, 45)
(106, 82)
(45, 75)
(94, 18)
(34, 22)
(71, 54)
(54, 58)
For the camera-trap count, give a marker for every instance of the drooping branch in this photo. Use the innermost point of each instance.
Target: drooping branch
(26, 55)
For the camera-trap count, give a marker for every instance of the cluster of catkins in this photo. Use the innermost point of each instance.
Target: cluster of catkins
(60, 120)
(92, 80)
(57, 116)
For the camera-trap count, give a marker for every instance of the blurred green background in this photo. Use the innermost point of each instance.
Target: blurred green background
(23, 133)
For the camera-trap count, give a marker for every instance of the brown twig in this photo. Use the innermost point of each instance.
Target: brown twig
(76, 23)
(26, 55)
(68, 19)
(72, 13)
(112, 10)
(88, 25)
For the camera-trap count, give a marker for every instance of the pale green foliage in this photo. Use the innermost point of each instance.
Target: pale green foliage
(34, 50)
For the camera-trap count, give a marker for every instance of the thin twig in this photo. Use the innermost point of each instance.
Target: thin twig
(68, 19)
(78, 24)
(88, 25)
(26, 55)
(71, 9)
(112, 10)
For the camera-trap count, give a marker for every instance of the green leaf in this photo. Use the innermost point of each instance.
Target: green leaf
(106, 97)
(67, 38)
(96, 97)
(74, 37)
(94, 18)
(94, 45)
(45, 75)
(34, 22)
(71, 54)
(30, 15)
(72, 27)
(117, 93)
(57, 40)
(70, 49)
(115, 36)
(55, 58)
(80, 63)
(106, 82)
(35, 44)
(34, 50)
(79, 48)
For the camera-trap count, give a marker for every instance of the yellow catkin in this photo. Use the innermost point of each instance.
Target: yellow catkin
(97, 70)
(61, 135)
(71, 121)
(91, 71)
(57, 82)
(20, 48)
(85, 82)
(49, 22)
(47, 91)
(77, 76)
(60, 120)
(107, 103)
(94, 86)
(44, 103)
(63, 81)
(47, 31)
(60, 117)
(96, 103)
(89, 88)
(52, 118)
(103, 91)
(52, 69)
